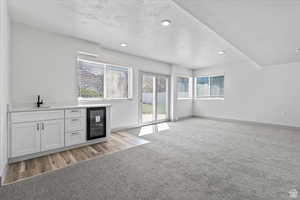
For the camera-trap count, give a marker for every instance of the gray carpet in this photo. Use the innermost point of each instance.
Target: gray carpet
(194, 159)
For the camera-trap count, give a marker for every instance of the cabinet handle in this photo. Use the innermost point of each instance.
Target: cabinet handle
(38, 126)
(75, 133)
(75, 120)
(74, 111)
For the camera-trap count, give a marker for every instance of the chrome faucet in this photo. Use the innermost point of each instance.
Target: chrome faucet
(39, 101)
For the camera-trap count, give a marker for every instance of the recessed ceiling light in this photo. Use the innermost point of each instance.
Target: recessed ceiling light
(165, 22)
(221, 52)
(123, 45)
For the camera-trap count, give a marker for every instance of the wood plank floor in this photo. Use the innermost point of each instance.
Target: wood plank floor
(27, 169)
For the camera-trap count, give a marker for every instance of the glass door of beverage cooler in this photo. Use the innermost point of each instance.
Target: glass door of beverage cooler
(96, 123)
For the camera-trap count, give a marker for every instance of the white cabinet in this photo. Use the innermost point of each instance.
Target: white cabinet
(75, 137)
(75, 113)
(25, 139)
(75, 126)
(33, 137)
(52, 135)
(39, 132)
(20, 117)
(34, 132)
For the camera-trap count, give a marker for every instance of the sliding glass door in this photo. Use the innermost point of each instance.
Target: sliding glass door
(162, 100)
(148, 98)
(154, 98)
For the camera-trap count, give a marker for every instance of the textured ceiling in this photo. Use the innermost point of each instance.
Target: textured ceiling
(186, 42)
(267, 31)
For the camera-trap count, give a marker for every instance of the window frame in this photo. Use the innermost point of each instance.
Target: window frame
(209, 97)
(190, 92)
(106, 66)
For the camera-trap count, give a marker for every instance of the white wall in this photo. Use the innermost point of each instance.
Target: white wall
(4, 81)
(45, 63)
(269, 95)
(183, 107)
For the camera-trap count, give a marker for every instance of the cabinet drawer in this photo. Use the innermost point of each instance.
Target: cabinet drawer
(75, 124)
(36, 116)
(75, 137)
(75, 113)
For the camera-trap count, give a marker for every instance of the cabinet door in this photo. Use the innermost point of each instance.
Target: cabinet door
(52, 134)
(25, 139)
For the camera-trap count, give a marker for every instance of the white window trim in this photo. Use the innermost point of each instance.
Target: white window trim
(209, 97)
(105, 98)
(191, 79)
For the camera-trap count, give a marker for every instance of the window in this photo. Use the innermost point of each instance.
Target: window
(184, 87)
(217, 86)
(202, 86)
(103, 81)
(117, 82)
(91, 79)
(210, 86)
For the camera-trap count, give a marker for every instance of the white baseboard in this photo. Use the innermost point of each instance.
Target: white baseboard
(3, 175)
(249, 122)
(185, 117)
(124, 128)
